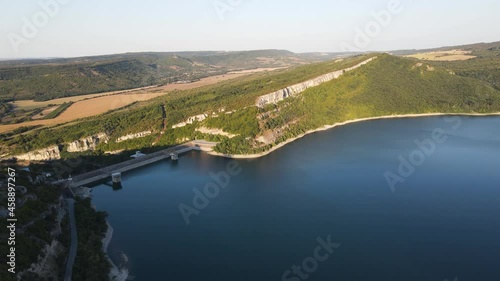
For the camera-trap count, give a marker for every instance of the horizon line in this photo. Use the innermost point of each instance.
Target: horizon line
(236, 51)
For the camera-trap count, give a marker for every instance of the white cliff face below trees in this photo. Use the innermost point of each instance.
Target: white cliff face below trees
(46, 154)
(88, 143)
(191, 120)
(134, 136)
(291, 91)
(81, 145)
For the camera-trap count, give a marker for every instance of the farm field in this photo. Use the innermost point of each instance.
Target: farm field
(453, 55)
(96, 104)
(31, 104)
(45, 112)
(87, 108)
(210, 80)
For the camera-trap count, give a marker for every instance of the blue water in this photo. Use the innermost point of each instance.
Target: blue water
(442, 222)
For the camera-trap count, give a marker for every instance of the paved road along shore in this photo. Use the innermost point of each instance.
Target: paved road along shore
(74, 240)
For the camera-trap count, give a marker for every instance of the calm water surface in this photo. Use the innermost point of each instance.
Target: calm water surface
(442, 222)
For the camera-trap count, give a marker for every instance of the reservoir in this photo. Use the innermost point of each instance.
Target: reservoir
(395, 200)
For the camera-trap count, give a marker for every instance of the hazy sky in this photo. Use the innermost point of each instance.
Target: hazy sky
(92, 27)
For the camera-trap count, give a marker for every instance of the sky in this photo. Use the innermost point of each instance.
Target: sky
(71, 28)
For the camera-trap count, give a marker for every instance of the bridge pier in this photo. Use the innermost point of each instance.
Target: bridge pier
(117, 177)
(115, 170)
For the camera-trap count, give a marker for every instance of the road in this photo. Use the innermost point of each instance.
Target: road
(74, 240)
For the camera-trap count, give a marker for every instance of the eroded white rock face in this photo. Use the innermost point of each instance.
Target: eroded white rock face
(134, 136)
(191, 120)
(293, 90)
(215, 131)
(88, 143)
(46, 154)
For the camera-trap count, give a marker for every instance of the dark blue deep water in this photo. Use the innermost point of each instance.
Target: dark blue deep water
(442, 222)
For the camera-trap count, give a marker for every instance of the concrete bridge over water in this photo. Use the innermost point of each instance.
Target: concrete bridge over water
(104, 173)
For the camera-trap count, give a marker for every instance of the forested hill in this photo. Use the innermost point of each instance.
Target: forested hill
(55, 78)
(387, 85)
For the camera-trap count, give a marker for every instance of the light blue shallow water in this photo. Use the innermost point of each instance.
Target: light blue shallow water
(442, 222)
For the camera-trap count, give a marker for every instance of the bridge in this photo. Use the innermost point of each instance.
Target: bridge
(104, 173)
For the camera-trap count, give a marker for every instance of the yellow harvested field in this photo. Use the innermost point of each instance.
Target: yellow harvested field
(31, 104)
(250, 71)
(96, 104)
(453, 55)
(86, 108)
(211, 80)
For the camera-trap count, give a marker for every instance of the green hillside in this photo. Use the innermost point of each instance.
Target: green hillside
(386, 86)
(232, 95)
(485, 67)
(43, 80)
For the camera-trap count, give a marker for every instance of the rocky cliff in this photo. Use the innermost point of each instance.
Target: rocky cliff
(215, 131)
(134, 136)
(46, 154)
(191, 120)
(81, 145)
(88, 143)
(293, 90)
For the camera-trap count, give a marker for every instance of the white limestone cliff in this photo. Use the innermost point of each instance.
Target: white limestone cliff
(293, 90)
(88, 143)
(134, 136)
(191, 120)
(46, 154)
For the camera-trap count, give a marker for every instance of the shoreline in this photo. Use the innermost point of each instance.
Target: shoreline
(115, 273)
(359, 120)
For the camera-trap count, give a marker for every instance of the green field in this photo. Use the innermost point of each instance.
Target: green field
(58, 111)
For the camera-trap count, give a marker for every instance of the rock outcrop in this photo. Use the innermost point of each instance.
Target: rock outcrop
(134, 136)
(191, 120)
(46, 154)
(293, 90)
(215, 131)
(53, 152)
(88, 143)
